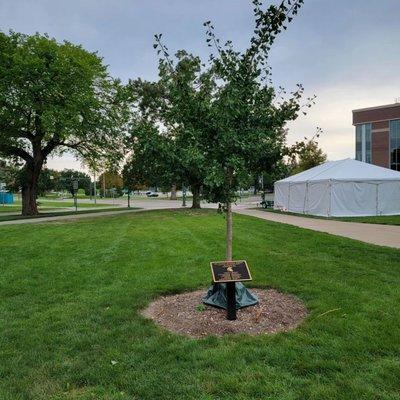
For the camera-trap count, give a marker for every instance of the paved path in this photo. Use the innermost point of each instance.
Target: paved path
(141, 205)
(382, 235)
(66, 217)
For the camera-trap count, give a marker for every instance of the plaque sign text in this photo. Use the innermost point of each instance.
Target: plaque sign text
(230, 271)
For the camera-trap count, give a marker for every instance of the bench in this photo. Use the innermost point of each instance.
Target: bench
(267, 204)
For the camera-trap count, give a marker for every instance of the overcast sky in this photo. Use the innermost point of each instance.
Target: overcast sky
(344, 51)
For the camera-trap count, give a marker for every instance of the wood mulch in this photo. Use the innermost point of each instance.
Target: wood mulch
(186, 314)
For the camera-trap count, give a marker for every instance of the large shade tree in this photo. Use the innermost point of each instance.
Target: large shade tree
(55, 97)
(177, 107)
(152, 159)
(64, 180)
(307, 154)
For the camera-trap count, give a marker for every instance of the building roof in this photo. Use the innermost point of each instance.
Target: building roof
(377, 107)
(376, 114)
(344, 170)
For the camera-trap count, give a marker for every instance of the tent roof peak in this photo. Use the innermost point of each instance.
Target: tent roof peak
(345, 170)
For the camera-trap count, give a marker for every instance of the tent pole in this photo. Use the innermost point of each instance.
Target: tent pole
(305, 199)
(330, 198)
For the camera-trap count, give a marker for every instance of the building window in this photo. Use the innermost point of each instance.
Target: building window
(395, 145)
(358, 143)
(364, 143)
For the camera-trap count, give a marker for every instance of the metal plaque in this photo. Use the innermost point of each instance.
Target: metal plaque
(230, 271)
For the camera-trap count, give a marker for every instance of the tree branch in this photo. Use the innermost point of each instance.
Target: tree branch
(10, 150)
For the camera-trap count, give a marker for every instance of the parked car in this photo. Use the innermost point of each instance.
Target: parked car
(151, 194)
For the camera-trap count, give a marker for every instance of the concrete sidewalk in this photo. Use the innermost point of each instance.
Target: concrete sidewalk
(138, 206)
(381, 235)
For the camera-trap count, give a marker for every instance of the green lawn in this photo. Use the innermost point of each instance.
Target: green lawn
(10, 208)
(71, 293)
(383, 219)
(63, 204)
(47, 205)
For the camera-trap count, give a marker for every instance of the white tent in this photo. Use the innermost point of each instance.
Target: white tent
(340, 188)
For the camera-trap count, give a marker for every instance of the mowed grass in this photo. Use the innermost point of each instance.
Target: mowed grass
(380, 219)
(46, 205)
(71, 295)
(62, 204)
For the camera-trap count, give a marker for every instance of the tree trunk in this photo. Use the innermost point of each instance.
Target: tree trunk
(229, 232)
(195, 189)
(256, 183)
(30, 187)
(173, 192)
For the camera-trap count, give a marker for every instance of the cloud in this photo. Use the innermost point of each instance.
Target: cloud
(333, 113)
(346, 52)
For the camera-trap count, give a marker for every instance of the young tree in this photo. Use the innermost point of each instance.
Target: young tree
(249, 115)
(55, 97)
(241, 126)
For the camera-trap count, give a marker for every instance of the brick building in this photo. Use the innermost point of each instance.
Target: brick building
(378, 135)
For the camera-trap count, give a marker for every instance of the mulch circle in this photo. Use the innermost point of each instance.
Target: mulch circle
(186, 314)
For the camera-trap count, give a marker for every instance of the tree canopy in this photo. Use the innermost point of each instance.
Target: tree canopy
(170, 133)
(224, 118)
(307, 154)
(56, 97)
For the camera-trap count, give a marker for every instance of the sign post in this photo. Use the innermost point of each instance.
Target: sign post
(231, 301)
(230, 272)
